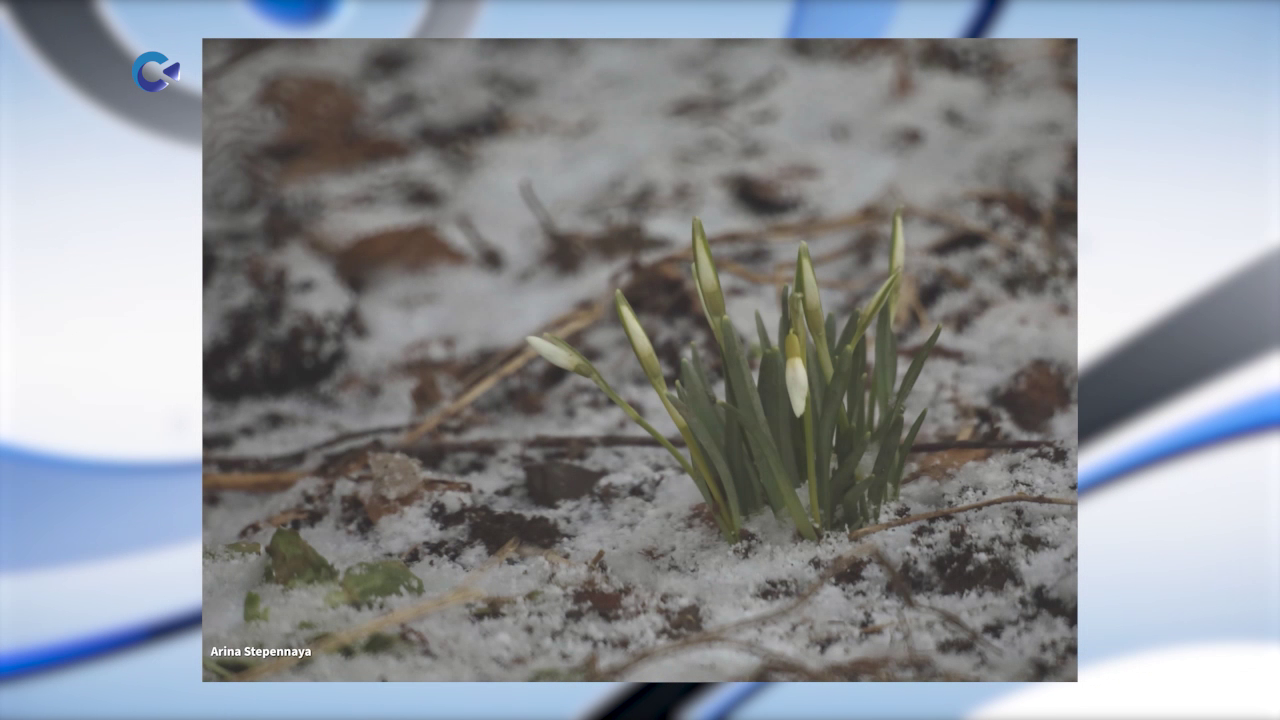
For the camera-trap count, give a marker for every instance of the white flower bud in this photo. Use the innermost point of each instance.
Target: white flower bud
(897, 258)
(808, 288)
(705, 272)
(640, 343)
(555, 354)
(796, 376)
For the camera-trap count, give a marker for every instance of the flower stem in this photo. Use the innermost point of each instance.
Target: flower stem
(635, 416)
(727, 528)
(812, 468)
(824, 355)
(700, 463)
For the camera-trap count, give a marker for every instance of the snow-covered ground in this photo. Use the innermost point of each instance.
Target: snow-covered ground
(384, 220)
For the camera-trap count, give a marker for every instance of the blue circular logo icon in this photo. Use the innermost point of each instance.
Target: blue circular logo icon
(151, 73)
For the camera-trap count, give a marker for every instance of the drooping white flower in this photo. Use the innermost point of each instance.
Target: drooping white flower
(796, 376)
(555, 354)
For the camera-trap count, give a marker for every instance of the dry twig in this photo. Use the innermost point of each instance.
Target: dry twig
(576, 322)
(259, 481)
(865, 531)
(958, 223)
(276, 480)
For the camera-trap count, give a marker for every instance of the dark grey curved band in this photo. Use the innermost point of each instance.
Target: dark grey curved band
(73, 38)
(1231, 324)
(448, 19)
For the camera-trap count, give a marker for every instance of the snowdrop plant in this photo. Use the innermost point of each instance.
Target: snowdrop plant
(816, 413)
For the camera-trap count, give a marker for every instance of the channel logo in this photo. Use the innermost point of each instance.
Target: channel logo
(153, 72)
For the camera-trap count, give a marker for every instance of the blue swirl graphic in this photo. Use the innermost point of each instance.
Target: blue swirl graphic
(296, 13)
(870, 18)
(26, 661)
(1256, 415)
(115, 508)
(980, 26)
(822, 18)
(734, 696)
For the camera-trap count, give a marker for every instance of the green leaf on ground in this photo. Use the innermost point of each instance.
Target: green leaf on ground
(294, 562)
(365, 583)
(253, 610)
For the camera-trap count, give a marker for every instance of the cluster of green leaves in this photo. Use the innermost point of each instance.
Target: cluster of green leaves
(292, 562)
(816, 413)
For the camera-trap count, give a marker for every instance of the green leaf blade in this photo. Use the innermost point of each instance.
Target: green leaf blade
(702, 421)
(766, 455)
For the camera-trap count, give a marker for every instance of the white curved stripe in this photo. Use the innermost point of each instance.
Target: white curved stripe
(1182, 551)
(1245, 382)
(72, 602)
(1218, 680)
